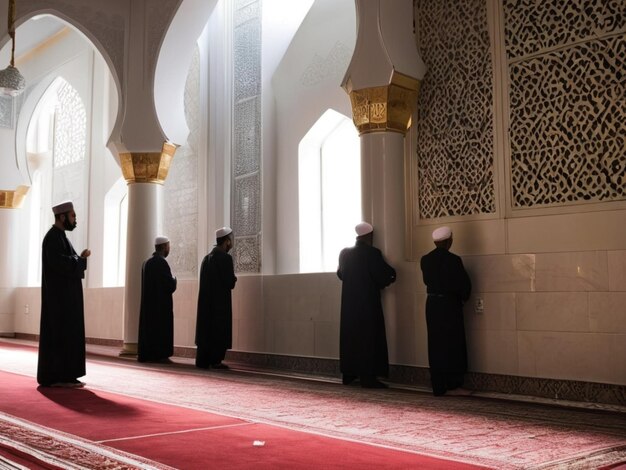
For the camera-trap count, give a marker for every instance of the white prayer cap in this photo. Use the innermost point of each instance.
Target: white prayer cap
(363, 229)
(222, 232)
(160, 241)
(441, 234)
(63, 207)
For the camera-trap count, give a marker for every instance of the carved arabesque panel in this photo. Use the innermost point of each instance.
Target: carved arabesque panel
(455, 118)
(247, 133)
(70, 127)
(567, 96)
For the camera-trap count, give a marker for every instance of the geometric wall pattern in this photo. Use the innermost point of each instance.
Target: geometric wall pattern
(247, 132)
(567, 93)
(455, 160)
(70, 126)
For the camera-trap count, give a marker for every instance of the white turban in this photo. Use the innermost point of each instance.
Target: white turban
(222, 232)
(363, 229)
(160, 241)
(63, 207)
(441, 234)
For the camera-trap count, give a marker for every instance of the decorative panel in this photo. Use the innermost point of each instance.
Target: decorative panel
(246, 211)
(247, 132)
(181, 186)
(6, 112)
(247, 51)
(247, 254)
(567, 92)
(70, 127)
(455, 168)
(247, 121)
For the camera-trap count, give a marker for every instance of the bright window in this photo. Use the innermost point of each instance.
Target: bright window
(329, 190)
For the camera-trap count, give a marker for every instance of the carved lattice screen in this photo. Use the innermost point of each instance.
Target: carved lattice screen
(567, 70)
(455, 110)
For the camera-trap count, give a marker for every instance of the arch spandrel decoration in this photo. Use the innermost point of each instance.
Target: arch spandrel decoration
(455, 162)
(567, 92)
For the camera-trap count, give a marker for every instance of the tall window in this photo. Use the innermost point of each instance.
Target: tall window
(114, 243)
(329, 190)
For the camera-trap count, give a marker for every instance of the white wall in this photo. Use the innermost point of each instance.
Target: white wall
(306, 84)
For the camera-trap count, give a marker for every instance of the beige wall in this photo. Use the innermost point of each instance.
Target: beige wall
(547, 315)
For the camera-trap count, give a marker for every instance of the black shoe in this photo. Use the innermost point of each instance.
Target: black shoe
(347, 379)
(203, 366)
(219, 366)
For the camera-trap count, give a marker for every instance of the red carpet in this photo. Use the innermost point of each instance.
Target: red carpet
(90, 424)
(500, 434)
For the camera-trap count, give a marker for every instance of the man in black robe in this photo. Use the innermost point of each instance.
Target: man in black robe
(362, 336)
(62, 328)
(448, 287)
(156, 316)
(214, 323)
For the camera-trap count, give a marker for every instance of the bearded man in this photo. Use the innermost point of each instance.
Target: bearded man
(62, 329)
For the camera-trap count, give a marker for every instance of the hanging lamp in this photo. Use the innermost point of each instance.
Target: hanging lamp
(12, 82)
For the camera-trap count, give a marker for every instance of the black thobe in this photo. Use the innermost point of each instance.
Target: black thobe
(62, 327)
(156, 316)
(362, 336)
(214, 322)
(448, 287)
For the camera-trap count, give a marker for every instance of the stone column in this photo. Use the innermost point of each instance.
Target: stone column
(145, 173)
(383, 82)
(10, 200)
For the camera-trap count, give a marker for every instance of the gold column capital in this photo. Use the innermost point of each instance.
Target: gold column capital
(385, 108)
(147, 167)
(13, 199)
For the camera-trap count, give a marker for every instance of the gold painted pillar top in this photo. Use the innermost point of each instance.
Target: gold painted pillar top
(147, 167)
(383, 78)
(12, 199)
(385, 108)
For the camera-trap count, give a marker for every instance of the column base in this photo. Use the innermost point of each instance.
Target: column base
(129, 350)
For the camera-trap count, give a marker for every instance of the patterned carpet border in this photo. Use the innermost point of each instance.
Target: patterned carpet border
(58, 449)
